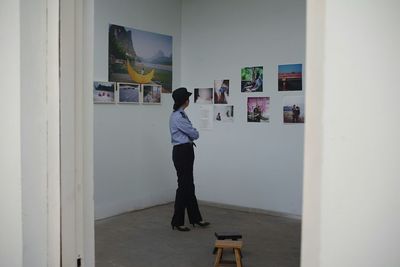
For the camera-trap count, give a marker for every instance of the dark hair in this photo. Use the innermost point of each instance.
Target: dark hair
(179, 103)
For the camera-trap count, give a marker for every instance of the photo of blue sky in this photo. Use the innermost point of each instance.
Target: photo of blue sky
(148, 44)
(290, 68)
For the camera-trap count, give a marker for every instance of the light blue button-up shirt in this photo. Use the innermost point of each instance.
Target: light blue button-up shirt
(182, 130)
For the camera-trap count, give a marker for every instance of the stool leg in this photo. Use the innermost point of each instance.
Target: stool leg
(218, 257)
(215, 250)
(238, 258)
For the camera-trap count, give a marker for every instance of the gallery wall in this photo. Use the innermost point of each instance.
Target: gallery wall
(132, 152)
(255, 165)
(245, 164)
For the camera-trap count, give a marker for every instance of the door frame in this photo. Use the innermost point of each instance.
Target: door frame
(76, 131)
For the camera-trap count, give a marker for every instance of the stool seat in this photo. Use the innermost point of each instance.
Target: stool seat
(227, 235)
(228, 244)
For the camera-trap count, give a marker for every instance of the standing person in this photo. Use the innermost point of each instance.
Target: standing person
(294, 114)
(257, 113)
(297, 114)
(182, 136)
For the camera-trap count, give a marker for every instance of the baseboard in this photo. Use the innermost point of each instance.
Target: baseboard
(134, 210)
(250, 210)
(219, 205)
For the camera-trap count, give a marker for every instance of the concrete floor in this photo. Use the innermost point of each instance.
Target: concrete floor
(144, 238)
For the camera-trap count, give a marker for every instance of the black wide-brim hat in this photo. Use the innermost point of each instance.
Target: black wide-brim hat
(180, 95)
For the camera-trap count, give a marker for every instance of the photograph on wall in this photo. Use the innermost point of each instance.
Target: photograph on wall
(206, 117)
(223, 113)
(290, 77)
(103, 92)
(252, 79)
(203, 96)
(151, 94)
(221, 91)
(293, 109)
(137, 56)
(128, 93)
(258, 109)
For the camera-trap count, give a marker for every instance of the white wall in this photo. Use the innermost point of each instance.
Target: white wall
(133, 167)
(40, 148)
(132, 151)
(246, 164)
(29, 136)
(33, 125)
(356, 98)
(76, 39)
(10, 136)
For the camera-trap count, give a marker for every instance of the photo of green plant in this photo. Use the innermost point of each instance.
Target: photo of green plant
(252, 79)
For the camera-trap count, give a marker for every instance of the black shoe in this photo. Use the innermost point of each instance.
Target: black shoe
(181, 228)
(201, 224)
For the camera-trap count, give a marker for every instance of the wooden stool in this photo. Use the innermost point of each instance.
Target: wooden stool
(227, 235)
(230, 244)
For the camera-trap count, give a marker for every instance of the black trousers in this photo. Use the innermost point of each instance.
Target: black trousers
(183, 158)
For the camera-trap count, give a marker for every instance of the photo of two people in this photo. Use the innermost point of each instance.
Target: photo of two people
(223, 113)
(293, 109)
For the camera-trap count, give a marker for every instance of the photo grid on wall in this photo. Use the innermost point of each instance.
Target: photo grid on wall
(139, 67)
(140, 70)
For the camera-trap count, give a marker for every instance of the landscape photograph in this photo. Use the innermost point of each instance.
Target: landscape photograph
(138, 56)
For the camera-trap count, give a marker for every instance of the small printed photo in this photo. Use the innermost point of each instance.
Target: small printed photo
(221, 91)
(290, 77)
(223, 113)
(103, 92)
(128, 93)
(252, 79)
(151, 94)
(203, 96)
(258, 109)
(293, 109)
